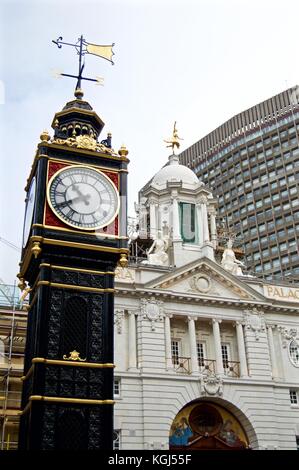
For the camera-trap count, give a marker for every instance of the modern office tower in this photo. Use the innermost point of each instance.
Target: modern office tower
(252, 164)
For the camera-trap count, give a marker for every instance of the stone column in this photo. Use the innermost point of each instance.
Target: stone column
(241, 350)
(205, 223)
(168, 356)
(199, 224)
(272, 352)
(175, 219)
(217, 346)
(142, 219)
(153, 224)
(213, 228)
(132, 341)
(193, 347)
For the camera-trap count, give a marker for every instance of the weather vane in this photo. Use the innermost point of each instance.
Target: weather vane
(174, 139)
(83, 47)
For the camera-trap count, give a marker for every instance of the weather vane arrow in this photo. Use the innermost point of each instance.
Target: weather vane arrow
(83, 47)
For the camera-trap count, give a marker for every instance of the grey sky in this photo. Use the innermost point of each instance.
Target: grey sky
(197, 62)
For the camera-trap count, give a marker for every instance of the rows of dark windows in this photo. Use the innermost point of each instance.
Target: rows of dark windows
(257, 188)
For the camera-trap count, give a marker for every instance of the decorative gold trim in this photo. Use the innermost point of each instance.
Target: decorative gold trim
(86, 142)
(32, 302)
(50, 158)
(27, 407)
(70, 286)
(21, 284)
(97, 234)
(85, 246)
(116, 210)
(96, 365)
(74, 356)
(86, 152)
(123, 260)
(83, 401)
(49, 241)
(90, 271)
(25, 293)
(25, 377)
(36, 249)
(123, 151)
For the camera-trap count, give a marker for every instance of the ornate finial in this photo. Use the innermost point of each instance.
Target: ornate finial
(74, 356)
(22, 284)
(44, 137)
(123, 151)
(79, 93)
(174, 140)
(123, 260)
(36, 249)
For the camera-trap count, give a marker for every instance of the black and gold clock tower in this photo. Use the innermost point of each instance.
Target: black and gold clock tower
(74, 236)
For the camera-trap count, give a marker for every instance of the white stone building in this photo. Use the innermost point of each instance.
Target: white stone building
(206, 357)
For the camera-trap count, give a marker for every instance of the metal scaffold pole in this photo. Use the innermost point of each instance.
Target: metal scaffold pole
(9, 366)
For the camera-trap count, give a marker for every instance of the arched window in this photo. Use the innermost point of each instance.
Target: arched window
(188, 222)
(294, 353)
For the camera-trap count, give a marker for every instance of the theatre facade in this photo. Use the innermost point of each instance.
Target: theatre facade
(207, 356)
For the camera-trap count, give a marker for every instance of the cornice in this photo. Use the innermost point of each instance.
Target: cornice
(203, 299)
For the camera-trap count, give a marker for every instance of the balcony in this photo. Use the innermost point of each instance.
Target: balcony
(207, 366)
(231, 368)
(181, 364)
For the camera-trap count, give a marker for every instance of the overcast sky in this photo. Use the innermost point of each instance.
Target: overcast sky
(195, 62)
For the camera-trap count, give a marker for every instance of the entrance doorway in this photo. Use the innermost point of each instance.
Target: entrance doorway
(205, 425)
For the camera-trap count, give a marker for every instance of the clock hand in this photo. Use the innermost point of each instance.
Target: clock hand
(64, 203)
(76, 199)
(82, 196)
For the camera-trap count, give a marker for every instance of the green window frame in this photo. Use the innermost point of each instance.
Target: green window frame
(188, 222)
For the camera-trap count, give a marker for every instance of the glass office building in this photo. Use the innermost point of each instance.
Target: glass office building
(252, 164)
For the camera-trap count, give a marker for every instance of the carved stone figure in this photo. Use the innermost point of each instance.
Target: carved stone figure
(229, 261)
(255, 321)
(152, 309)
(211, 385)
(157, 254)
(119, 314)
(124, 274)
(289, 335)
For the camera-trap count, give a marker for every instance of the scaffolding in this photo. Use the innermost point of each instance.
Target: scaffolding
(13, 320)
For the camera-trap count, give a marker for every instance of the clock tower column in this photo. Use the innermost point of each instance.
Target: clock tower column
(74, 236)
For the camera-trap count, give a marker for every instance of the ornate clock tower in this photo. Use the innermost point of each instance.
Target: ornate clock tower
(74, 236)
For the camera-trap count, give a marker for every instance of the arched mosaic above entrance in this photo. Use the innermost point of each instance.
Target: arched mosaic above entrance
(206, 426)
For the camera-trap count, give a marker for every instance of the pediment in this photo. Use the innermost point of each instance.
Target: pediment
(205, 278)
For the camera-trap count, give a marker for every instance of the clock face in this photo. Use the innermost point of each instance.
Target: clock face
(30, 200)
(83, 197)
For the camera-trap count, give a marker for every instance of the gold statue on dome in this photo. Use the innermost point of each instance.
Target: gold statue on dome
(174, 139)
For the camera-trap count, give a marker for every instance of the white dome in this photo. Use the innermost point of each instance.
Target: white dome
(176, 172)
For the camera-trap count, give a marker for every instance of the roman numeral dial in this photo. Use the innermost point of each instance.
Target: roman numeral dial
(83, 197)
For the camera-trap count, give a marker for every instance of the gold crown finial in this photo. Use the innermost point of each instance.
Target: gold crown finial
(45, 137)
(123, 151)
